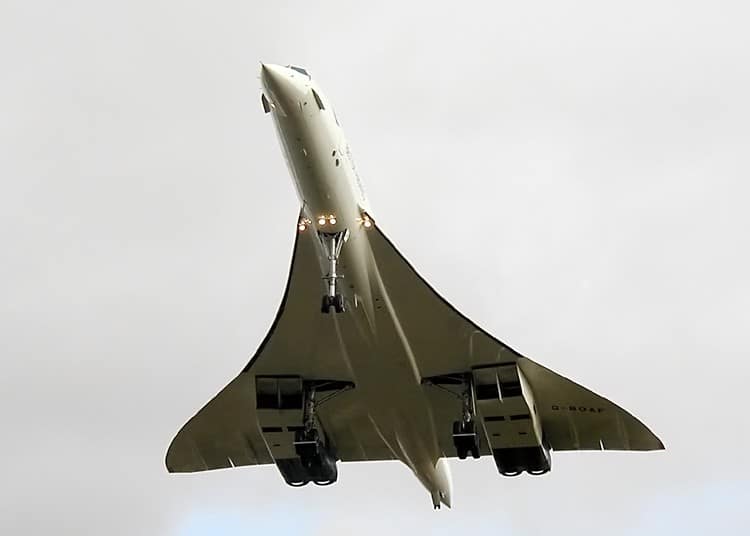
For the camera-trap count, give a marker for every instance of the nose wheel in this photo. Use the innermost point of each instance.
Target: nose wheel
(332, 243)
(336, 301)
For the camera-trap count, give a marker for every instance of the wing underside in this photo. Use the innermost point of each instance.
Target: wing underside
(232, 431)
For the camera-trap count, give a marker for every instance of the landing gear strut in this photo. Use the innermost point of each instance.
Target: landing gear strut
(310, 445)
(465, 431)
(465, 436)
(306, 441)
(332, 242)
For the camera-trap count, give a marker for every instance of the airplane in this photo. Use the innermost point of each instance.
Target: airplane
(366, 361)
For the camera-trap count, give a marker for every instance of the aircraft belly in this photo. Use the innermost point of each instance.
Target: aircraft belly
(384, 367)
(369, 342)
(322, 177)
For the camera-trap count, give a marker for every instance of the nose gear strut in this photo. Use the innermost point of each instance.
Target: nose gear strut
(332, 243)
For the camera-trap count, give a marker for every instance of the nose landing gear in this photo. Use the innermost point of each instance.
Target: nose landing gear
(333, 242)
(336, 301)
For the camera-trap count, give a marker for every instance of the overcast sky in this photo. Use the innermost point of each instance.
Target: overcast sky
(572, 176)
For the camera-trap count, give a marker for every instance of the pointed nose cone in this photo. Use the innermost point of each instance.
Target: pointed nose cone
(282, 85)
(271, 74)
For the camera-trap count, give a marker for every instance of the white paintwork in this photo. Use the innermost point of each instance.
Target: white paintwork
(309, 137)
(312, 140)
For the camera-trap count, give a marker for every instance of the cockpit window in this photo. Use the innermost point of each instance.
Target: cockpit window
(318, 100)
(300, 70)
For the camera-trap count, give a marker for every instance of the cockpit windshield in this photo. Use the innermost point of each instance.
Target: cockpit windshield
(299, 70)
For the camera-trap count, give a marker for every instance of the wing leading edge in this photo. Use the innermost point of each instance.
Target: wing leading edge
(301, 342)
(447, 344)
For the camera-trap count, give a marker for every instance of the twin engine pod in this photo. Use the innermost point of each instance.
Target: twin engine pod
(513, 427)
(314, 462)
(286, 410)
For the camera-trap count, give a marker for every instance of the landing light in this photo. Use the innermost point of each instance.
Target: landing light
(367, 223)
(302, 227)
(321, 221)
(332, 220)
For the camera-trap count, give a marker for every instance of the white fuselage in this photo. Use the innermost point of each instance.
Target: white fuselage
(333, 200)
(316, 151)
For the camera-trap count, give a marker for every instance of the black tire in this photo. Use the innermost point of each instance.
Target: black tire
(538, 472)
(338, 303)
(325, 306)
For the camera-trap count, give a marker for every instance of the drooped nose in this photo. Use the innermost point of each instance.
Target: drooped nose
(283, 86)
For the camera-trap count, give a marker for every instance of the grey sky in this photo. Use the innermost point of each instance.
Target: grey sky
(572, 176)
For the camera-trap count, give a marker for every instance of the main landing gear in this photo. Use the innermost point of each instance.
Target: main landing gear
(310, 444)
(333, 242)
(465, 436)
(287, 408)
(465, 431)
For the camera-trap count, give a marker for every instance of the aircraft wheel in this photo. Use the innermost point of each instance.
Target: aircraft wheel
(338, 303)
(325, 306)
(538, 472)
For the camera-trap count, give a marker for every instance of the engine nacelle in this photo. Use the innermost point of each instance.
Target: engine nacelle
(296, 474)
(515, 460)
(315, 462)
(302, 452)
(511, 423)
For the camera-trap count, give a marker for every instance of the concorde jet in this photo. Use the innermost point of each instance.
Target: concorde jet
(366, 361)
